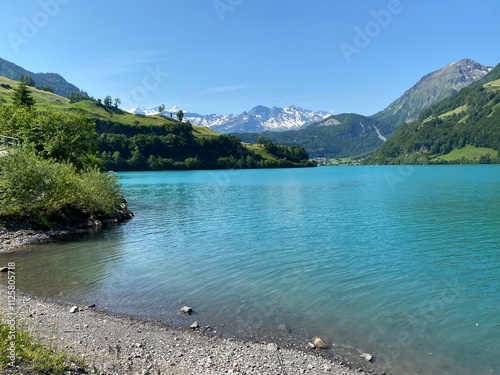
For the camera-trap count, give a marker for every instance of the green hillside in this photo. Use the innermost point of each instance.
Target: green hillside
(470, 153)
(55, 81)
(338, 136)
(464, 128)
(134, 142)
(43, 98)
(46, 99)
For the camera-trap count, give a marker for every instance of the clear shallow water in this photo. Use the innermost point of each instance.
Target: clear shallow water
(397, 262)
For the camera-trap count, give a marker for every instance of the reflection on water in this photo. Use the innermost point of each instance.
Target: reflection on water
(399, 271)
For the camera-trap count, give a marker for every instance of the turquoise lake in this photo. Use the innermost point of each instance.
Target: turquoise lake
(399, 262)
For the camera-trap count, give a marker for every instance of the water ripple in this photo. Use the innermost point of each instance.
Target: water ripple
(335, 251)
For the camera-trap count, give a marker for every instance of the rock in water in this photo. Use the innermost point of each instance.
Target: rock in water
(367, 356)
(283, 328)
(195, 325)
(319, 343)
(186, 310)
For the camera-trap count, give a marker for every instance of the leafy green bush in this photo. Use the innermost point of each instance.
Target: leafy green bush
(97, 193)
(41, 191)
(65, 137)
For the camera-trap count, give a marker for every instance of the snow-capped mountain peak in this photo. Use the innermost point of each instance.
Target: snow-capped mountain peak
(257, 120)
(155, 111)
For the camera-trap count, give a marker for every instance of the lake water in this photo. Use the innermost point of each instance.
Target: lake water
(399, 262)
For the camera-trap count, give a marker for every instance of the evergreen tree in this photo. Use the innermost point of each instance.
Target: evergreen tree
(47, 88)
(79, 96)
(22, 96)
(27, 80)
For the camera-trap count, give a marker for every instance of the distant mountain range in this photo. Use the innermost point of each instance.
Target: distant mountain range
(154, 111)
(347, 135)
(338, 136)
(257, 120)
(431, 89)
(322, 134)
(55, 81)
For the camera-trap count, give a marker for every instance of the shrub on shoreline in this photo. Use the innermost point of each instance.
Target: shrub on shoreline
(42, 191)
(64, 137)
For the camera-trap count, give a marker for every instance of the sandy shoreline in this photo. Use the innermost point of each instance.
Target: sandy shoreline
(122, 345)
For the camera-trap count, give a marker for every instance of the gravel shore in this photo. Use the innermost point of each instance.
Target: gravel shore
(122, 345)
(10, 240)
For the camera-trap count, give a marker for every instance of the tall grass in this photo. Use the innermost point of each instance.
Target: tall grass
(32, 355)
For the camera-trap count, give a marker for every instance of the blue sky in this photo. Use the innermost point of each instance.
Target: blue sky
(227, 56)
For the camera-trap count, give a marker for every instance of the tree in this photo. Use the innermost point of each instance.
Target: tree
(161, 108)
(78, 96)
(27, 80)
(117, 102)
(137, 161)
(47, 88)
(108, 101)
(22, 96)
(64, 137)
(180, 115)
(99, 101)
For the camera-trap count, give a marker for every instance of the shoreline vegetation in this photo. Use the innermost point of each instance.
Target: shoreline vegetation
(89, 340)
(52, 160)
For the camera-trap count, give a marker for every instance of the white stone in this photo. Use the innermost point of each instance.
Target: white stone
(272, 346)
(319, 343)
(186, 310)
(367, 356)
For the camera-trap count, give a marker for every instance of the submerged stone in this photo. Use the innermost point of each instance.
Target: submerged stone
(186, 310)
(319, 343)
(367, 356)
(283, 328)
